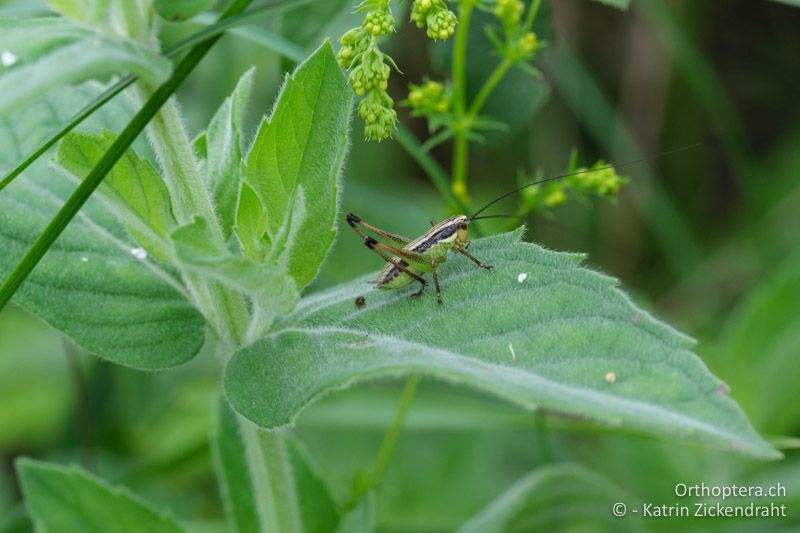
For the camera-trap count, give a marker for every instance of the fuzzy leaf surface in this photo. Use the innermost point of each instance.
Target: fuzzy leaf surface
(568, 326)
(295, 161)
(69, 499)
(51, 52)
(90, 285)
(224, 151)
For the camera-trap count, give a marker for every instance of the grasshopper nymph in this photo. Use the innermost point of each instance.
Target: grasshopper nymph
(408, 260)
(411, 259)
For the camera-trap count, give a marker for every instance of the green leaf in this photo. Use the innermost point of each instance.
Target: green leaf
(272, 291)
(68, 499)
(52, 52)
(295, 161)
(564, 497)
(177, 10)
(251, 223)
(619, 4)
(318, 511)
(255, 475)
(223, 151)
(138, 194)
(86, 11)
(549, 342)
(94, 284)
(361, 519)
(764, 334)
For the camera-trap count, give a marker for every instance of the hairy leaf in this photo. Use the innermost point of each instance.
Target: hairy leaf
(86, 11)
(139, 195)
(272, 291)
(51, 52)
(68, 499)
(295, 161)
(223, 148)
(95, 284)
(564, 339)
(251, 223)
(318, 511)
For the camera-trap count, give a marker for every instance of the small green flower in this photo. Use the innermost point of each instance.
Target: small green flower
(509, 12)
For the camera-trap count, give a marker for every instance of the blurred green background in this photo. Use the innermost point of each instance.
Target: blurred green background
(707, 239)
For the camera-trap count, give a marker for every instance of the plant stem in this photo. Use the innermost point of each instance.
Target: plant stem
(461, 142)
(109, 159)
(489, 86)
(389, 443)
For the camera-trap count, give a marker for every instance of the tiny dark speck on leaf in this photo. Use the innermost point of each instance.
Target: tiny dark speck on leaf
(360, 302)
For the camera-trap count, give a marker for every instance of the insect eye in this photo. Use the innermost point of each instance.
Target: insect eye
(462, 225)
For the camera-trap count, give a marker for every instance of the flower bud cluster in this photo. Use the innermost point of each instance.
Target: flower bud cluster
(376, 109)
(369, 68)
(601, 179)
(509, 12)
(428, 98)
(434, 14)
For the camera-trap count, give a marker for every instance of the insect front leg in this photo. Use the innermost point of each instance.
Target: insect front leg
(471, 257)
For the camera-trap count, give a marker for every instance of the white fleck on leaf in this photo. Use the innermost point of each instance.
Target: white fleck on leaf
(8, 58)
(84, 259)
(522, 277)
(611, 377)
(139, 253)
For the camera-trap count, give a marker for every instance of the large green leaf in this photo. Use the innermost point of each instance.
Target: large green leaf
(51, 52)
(68, 499)
(295, 161)
(95, 284)
(565, 339)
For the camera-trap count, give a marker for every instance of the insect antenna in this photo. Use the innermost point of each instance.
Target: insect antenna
(553, 178)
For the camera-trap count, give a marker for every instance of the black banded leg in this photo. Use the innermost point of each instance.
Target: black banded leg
(471, 257)
(353, 220)
(370, 243)
(436, 282)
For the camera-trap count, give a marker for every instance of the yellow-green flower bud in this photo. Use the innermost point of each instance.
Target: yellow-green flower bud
(377, 111)
(528, 44)
(509, 11)
(441, 24)
(379, 23)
